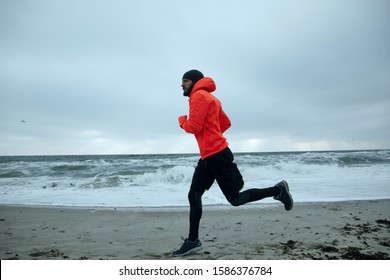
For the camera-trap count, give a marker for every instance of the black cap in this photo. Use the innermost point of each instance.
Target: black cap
(193, 75)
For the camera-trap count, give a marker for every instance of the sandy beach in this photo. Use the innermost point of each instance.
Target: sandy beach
(337, 230)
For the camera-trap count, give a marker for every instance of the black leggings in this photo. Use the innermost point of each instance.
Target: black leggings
(220, 167)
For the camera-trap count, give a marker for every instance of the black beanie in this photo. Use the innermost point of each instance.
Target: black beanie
(193, 75)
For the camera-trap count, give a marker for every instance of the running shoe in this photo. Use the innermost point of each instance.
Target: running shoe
(188, 247)
(284, 196)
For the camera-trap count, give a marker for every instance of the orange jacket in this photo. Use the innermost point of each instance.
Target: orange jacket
(207, 121)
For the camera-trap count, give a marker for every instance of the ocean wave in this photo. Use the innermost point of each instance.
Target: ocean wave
(155, 179)
(70, 168)
(348, 158)
(173, 175)
(103, 181)
(12, 174)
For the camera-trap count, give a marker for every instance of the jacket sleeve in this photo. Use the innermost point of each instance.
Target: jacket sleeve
(198, 112)
(224, 121)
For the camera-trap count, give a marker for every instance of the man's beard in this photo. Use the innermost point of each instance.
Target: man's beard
(188, 91)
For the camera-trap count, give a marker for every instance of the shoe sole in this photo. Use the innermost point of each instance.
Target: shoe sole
(285, 184)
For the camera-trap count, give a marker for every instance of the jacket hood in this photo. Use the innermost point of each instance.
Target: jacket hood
(206, 84)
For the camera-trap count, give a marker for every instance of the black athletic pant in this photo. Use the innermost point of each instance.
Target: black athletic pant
(220, 167)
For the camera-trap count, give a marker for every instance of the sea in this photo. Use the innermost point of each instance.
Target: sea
(163, 180)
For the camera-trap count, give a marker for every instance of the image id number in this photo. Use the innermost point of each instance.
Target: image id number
(242, 270)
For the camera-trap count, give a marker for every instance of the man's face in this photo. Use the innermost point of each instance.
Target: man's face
(186, 84)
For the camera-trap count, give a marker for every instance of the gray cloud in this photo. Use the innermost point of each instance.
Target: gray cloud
(104, 76)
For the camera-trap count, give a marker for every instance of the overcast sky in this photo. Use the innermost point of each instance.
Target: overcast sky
(103, 77)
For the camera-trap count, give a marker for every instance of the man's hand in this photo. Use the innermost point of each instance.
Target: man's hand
(182, 120)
